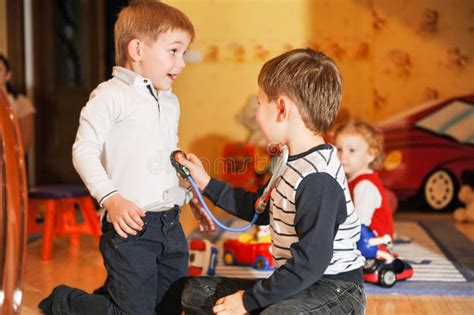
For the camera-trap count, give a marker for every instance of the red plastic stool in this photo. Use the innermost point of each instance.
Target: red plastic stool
(60, 214)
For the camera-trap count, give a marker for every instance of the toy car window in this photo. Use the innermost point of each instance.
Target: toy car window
(453, 120)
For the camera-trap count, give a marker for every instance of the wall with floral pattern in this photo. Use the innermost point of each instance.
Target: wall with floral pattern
(393, 54)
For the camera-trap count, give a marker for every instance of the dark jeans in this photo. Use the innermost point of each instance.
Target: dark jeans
(140, 270)
(327, 296)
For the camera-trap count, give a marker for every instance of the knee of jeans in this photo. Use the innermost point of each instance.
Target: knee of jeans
(186, 295)
(195, 290)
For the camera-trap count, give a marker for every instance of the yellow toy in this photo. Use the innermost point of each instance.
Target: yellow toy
(263, 235)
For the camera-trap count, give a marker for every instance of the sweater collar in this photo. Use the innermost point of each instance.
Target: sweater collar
(132, 78)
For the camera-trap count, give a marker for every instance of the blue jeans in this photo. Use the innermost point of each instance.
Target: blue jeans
(140, 270)
(327, 296)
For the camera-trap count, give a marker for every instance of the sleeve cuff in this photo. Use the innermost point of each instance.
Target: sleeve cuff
(250, 303)
(107, 196)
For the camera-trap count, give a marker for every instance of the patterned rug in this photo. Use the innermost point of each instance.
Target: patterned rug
(441, 256)
(426, 257)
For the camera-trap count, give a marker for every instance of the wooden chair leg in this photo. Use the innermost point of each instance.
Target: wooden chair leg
(71, 225)
(90, 216)
(33, 210)
(49, 225)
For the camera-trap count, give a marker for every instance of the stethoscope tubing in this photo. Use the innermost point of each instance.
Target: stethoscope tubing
(220, 224)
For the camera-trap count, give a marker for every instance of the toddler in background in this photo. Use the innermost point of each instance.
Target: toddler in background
(360, 149)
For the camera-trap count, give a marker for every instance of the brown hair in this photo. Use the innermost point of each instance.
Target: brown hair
(146, 20)
(311, 80)
(372, 135)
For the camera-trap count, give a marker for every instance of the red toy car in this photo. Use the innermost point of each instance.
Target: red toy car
(427, 149)
(257, 255)
(386, 275)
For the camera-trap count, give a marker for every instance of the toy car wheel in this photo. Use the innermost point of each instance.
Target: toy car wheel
(387, 278)
(440, 190)
(229, 258)
(261, 263)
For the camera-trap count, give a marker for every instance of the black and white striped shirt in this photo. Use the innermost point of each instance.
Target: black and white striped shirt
(286, 198)
(313, 223)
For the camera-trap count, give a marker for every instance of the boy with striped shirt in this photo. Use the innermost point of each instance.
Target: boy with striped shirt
(313, 223)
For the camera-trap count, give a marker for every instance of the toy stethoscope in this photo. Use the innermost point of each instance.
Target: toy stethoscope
(279, 163)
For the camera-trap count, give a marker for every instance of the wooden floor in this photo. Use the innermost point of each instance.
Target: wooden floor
(82, 267)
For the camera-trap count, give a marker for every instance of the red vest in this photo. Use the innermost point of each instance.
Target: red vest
(382, 221)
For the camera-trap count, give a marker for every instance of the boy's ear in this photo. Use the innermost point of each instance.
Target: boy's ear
(282, 108)
(135, 49)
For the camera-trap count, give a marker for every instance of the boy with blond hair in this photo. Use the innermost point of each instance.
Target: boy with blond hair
(313, 223)
(126, 134)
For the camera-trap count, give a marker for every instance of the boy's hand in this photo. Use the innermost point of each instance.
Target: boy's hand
(205, 222)
(200, 176)
(231, 304)
(124, 215)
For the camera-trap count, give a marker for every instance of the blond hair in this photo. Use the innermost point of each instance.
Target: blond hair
(372, 135)
(146, 20)
(311, 80)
